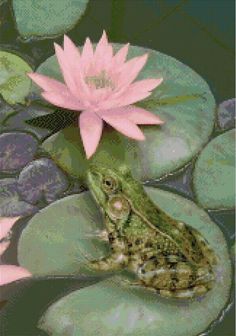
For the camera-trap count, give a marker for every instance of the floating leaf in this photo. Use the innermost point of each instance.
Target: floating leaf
(18, 120)
(214, 173)
(14, 83)
(67, 231)
(10, 203)
(27, 302)
(47, 18)
(5, 112)
(226, 114)
(183, 101)
(52, 244)
(58, 239)
(41, 180)
(16, 150)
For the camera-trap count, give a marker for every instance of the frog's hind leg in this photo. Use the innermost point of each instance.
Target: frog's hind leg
(177, 280)
(188, 293)
(204, 246)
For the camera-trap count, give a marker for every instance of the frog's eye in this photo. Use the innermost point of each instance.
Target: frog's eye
(109, 184)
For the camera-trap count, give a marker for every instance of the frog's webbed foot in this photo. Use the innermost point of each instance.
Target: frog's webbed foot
(110, 263)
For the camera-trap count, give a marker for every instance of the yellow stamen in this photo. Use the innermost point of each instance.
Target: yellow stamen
(100, 81)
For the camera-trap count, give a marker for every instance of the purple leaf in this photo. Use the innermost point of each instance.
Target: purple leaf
(10, 203)
(16, 150)
(42, 180)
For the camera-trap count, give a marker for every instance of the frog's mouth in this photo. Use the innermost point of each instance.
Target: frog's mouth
(94, 183)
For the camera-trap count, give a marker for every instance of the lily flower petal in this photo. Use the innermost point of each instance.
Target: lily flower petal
(90, 130)
(138, 115)
(6, 223)
(68, 75)
(135, 92)
(71, 51)
(124, 126)
(131, 69)
(121, 55)
(3, 246)
(125, 100)
(103, 48)
(63, 99)
(10, 273)
(145, 85)
(73, 58)
(87, 55)
(103, 54)
(47, 83)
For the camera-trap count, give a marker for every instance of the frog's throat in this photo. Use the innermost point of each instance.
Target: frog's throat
(95, 190)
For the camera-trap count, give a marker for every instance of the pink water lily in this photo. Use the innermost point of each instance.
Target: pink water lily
(9, 273)
(101, 85)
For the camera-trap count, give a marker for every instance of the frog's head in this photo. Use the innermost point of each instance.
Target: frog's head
(105, 183)
(115, 190)
(109, 189)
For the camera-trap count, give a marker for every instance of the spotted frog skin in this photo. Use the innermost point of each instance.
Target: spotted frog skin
(167, 256)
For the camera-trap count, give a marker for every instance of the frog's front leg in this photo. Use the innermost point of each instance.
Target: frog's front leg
(113, 262)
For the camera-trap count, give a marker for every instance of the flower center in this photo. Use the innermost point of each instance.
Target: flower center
(100, 81)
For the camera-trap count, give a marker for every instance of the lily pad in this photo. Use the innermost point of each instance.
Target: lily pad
(124, 310)
(183, 101)
(67, 231)
(47, 18)
(14, 83)
(111, 308)
(41, 180)
(60, 237)
(5, 112)
(16, 150)
(226, 114)
(10, 203)
(214, 173)
(18, 120)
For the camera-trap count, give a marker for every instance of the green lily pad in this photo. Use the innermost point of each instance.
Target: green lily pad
(47, 18)
(61, 236)
(214, 173)
(64, 234)
(183, 101)
(14, 84)
(125, 310)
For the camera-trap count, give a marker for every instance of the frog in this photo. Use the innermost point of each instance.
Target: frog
(167, 256)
